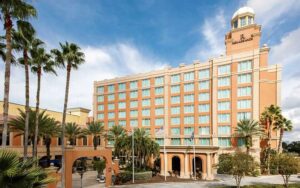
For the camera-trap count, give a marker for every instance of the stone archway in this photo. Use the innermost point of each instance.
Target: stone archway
(72, 155)
(176, 165)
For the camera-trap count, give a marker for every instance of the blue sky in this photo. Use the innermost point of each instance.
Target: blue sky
(121, 37)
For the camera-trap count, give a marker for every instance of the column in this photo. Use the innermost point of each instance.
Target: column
(186, 165)
(209, 167)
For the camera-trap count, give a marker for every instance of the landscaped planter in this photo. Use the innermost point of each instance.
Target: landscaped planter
(143, 175)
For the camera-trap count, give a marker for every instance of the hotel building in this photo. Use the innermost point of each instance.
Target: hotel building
(205, 98)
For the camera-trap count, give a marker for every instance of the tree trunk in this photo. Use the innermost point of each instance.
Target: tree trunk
(269, 124)
(7, 26)
(95, 142)
(25, 55)
(63, 126)
(37, 111)
(48, 144)
(280, 141)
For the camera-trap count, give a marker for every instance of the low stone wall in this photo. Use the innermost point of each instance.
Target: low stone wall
(143, 175)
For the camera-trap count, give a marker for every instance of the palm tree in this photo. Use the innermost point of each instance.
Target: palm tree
(114, 134)
(23, 39)
(46, 124)
(282, 124)
(268, 118)
(10, 11)
(15, 173)
(247, 129)
(73, 131)
(41, 62)
(71, 57)
(96, 129)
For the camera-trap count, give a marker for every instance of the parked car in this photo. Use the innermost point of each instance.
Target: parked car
(101, 179)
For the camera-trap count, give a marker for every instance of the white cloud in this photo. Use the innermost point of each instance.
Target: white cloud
(102, 62)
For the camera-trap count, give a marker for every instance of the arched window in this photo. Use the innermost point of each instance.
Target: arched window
(84, 141)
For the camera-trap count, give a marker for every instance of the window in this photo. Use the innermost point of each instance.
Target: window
(175, 110)
(188, 141)
(204, 141)
(224, 142)
(250, 20)
(204, 85)
(188, 130)
(223, 105)
(146, 102)
(235, 24)
(134, 123)
(223, 94)
(110, 142)
(175, 100)
(243, 21)
(204, 119)
(189, 98)
(189, 109)
(111, 106)
(133, 113)
(224, 130)
(159, 101)
(122, 96)
(175, 78)
(158, 132)
(244, 66)
(111, 124)
(111, 88)
(122, 105)
(175, 141)
(133, 104)
(244, 91)
(147, 130)
(146, 83)
(159, 121)
(175, 131)
(175, 89)
(244, 104)
(100, 89)
(133, 94)
(188, 120)
(223, 118)
(203, 96)
(146, 122)
(100, 116)
(100, 107)
(224, 69)
(146, 112)
(241, 142)
(203, 74)
(100, 98)
(203, 108)
(122, 114)
(159, 141)
(244, 78)
(146, 92)
(189, 87)
(175, 120)
(159, 111)
(224, 81)
(243, 115)
(204, 130)
(122, 86)
(159, 90)
(111, 115)
(189, 76)
(159, 80)
(111, 97)
(133, 85)
(84, 141)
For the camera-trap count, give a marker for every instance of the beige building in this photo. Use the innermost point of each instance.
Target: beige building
(205, 98)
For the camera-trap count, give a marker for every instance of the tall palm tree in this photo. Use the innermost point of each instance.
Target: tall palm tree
(41, 62)
(282, 124)
(73, 131)
(23, 38)
(247, 129)
(15, 173)
(268, 118)
(71, 57)
(96, 129)
(10, 11)
(114, 134)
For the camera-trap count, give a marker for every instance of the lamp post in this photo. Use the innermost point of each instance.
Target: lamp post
(81, 170)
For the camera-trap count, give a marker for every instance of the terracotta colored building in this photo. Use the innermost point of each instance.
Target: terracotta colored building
(206, 99)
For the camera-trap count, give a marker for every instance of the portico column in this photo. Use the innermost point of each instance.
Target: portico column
(209, 167)
(186, 164)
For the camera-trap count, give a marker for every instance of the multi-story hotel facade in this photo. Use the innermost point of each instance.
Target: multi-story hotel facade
(206, 99)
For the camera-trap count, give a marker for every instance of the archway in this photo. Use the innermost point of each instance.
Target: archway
(198, 165)
(176, 165)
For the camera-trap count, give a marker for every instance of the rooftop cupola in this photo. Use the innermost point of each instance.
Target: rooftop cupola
(242, 17)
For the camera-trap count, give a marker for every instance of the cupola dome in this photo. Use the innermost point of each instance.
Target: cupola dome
(242, 17)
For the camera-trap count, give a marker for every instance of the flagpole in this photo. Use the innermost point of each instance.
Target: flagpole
(132, 155)
(165, 155)
(194, 160)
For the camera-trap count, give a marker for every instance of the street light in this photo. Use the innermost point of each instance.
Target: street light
(81, 170)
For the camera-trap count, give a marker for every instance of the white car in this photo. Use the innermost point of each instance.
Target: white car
(101, 179)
